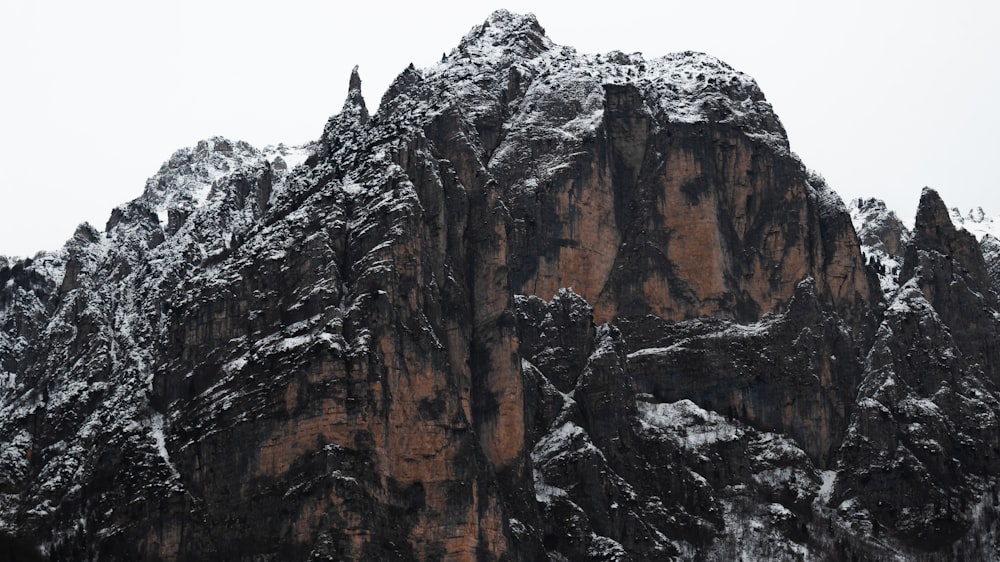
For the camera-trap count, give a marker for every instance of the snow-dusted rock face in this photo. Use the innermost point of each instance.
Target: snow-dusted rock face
(788, 373)
(540, 305)
(924, 438)
(990, 247)
(883, 237)
(86, 332)
(986, 229)
(949, 268)
(923, 444)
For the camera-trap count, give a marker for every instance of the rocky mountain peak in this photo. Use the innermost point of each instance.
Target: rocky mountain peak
(933, 218)
(878, 227)
(355, 102)
(505, 33)
(186, 182)
(216, 173)
(948, 266)
(187, 177)
(507, 73)
(883, 238)
(933, 231)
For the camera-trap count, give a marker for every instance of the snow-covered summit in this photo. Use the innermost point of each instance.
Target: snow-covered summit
(510, 56)
(878, 227)
(504, 35)
(192, 175)
(977, 222)
(517, 86)
(186, 179)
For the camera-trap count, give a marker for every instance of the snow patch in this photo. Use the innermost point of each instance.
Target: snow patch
(693, 426)
(159, 438)
(829, 480)
(976, 222)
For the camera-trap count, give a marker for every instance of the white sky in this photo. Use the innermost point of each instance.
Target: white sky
(880, 97)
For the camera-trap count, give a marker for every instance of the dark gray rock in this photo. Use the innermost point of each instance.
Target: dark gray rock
(990, 247)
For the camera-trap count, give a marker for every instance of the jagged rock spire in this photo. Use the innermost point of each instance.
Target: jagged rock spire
(355, 103)
(932, 215)
(949, 268)
(933, 230)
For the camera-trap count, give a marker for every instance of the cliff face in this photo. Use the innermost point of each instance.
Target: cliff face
(661, 186)
(927, 406)
(539, 304)
(990, 247)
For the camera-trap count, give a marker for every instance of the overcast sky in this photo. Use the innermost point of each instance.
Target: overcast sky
(881, 98)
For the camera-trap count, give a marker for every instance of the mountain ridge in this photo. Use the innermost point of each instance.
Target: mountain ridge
(538, 305)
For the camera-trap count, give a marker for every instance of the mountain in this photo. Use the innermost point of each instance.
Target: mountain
(987, 230)
(977, 222)
(540, 305)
